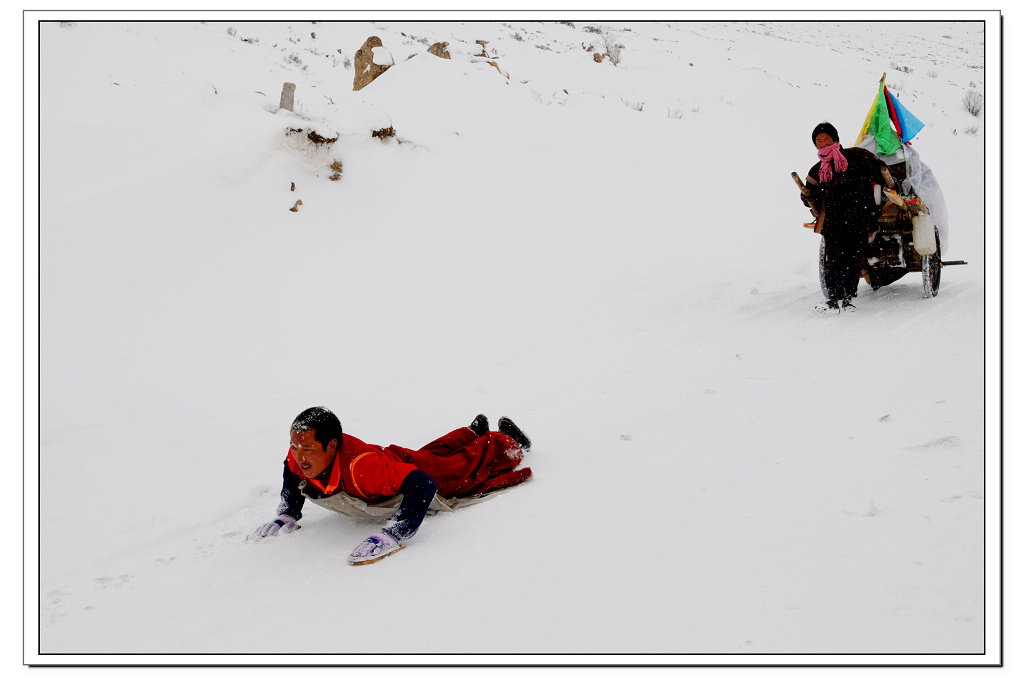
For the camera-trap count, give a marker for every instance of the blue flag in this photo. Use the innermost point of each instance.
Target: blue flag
(909, 124)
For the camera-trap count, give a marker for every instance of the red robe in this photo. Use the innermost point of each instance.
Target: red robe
(460, 462)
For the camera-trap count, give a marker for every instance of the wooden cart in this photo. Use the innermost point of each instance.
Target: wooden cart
(891, 252)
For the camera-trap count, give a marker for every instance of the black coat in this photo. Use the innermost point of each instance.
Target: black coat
(848, 198)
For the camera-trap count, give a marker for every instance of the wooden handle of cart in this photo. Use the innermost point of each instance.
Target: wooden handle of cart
(888, 178)
(891, 192)
(894, 197)
(806, 193)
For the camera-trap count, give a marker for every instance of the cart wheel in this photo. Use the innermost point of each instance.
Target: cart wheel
(821, 268)
(931, 270)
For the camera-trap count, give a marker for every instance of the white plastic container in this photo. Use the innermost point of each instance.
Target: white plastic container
(924, 234)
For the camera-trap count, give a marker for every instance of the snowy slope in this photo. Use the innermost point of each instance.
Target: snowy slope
(610, 254)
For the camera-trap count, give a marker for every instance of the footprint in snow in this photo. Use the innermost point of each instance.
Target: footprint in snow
(115, 582)
(872, 510)
(970, 495)
(939, 443)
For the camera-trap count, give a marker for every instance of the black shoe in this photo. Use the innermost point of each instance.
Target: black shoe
(848, 304)
(479, 425)
(506, 427)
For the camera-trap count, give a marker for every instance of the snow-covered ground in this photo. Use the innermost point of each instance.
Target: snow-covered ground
(611, 254)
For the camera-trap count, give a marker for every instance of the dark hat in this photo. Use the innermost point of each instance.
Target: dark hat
(825, 127)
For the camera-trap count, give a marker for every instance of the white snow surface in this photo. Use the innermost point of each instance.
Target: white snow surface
(611, 254)
(382, 57)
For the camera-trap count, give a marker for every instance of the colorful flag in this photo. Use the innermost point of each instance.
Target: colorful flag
(889, 122)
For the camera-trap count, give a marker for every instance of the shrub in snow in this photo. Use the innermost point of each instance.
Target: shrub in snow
(974, 102)
(613, 49)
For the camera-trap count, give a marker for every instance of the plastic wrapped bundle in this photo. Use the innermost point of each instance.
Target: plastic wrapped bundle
(918, 180)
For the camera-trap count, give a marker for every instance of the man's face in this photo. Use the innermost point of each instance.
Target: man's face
(823, 140)
(312, 458)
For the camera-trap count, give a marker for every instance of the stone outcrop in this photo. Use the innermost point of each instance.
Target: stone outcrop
(490, 59)
(440, 49)
(366, 69)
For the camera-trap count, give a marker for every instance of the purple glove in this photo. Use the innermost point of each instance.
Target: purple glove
(374, 548)
(285, 523)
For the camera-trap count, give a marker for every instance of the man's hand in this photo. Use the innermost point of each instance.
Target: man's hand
(285, 523)
(374, 548)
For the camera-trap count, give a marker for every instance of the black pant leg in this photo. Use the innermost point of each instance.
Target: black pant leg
(844, 251)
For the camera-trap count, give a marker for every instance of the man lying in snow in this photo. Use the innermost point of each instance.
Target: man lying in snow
(325, 464)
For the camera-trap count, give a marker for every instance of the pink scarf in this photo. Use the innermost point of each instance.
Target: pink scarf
(831, 156)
